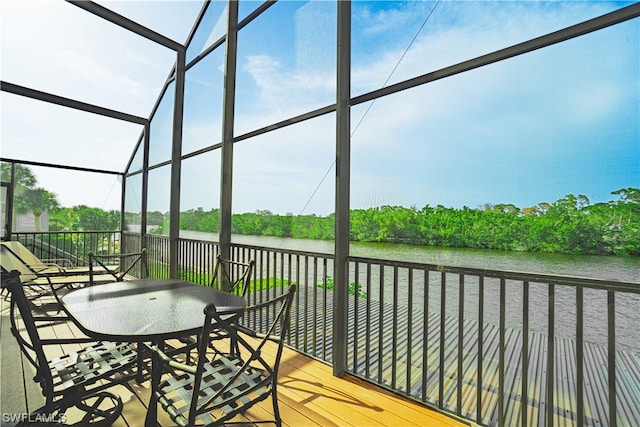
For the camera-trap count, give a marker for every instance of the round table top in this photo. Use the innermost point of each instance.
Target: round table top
(146, 309)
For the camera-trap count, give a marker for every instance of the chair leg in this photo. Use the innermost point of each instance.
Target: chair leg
(276, 409)
(92, 408)
(140, 362)
(100, 409)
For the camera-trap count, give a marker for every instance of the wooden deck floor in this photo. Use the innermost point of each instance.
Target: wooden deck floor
(410, 359)
(309, 394)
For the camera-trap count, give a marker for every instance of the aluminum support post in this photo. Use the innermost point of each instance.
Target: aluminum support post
(343, 160)
(176, 152)
(228, 109)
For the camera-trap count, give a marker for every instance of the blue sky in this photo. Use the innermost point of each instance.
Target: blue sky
(528, 130)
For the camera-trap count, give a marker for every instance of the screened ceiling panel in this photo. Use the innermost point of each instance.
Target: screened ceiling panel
(56, 47)
(172, 19)
(48, 133)
(60, 49)
(211, 28)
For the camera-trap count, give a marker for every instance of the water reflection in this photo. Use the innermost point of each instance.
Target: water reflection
(625, 269)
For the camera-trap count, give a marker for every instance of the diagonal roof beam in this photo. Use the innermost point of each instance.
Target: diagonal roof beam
(127, 23)
(71, 103)
(56, 166)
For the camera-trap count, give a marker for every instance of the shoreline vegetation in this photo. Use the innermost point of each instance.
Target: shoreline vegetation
(569, 225)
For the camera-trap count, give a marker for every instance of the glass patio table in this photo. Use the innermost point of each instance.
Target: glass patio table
(146, 310)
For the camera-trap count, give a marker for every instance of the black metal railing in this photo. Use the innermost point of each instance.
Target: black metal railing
(72, 246)
(494, 347)
(498, 347)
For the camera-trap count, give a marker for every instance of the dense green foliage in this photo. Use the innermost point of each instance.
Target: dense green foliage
(569, 225)
(83, 218)
(27, 197)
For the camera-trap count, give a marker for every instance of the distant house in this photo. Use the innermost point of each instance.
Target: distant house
(26, 222)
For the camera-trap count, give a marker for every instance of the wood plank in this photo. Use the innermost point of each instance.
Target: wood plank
(376, 363)
(311, 395)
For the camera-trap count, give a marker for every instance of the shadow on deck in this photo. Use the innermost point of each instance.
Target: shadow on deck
(309, 394)
(412, 363)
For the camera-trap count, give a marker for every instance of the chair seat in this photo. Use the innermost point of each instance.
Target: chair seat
(251, 387)
(90, 364)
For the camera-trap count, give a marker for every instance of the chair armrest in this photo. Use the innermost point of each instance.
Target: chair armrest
(46, 265)
(60, 341)
(59, 262)
(252, 333)
(170, 362)
(255, 334)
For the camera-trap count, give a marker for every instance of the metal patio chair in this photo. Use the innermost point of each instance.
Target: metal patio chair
(218, 387)
(42, 286)
(99, 265)
(229, 276)
(78, 379)
(232, 276)
(50, 266)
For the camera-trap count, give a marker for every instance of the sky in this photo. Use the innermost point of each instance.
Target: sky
(527, 130)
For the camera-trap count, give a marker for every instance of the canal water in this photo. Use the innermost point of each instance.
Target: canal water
(624, 269)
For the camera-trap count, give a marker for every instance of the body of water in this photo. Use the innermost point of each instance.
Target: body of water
(625, 269)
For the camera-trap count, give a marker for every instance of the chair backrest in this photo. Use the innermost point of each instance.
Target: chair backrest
(22, 252)
(232, 276)
(10, 261)
(31, 343)
(126, 262)
(238, 381)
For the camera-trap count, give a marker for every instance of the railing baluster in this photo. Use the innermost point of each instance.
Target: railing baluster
(425, 335)
(306, 302)
(381, 325)
(289, 276)
(443, 298)
(409, 328)
(367, 368)
(480, 348)
(315, 306)
(524, 398)
(501, 345)
(550, 356)
(580, 354)
(460, 372)
(356, 316)
(394, 335)
(297, 311)
(324, 306)
(611, 338)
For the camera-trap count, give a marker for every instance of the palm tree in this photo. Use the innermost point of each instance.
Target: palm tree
(37, 200)
(24, 179)
(23, 175)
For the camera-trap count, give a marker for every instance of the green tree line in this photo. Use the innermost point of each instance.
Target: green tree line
(568, 225)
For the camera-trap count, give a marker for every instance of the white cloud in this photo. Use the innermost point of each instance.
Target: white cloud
(56, 47)
(412, 147)
(483, 136)
(525, 130)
